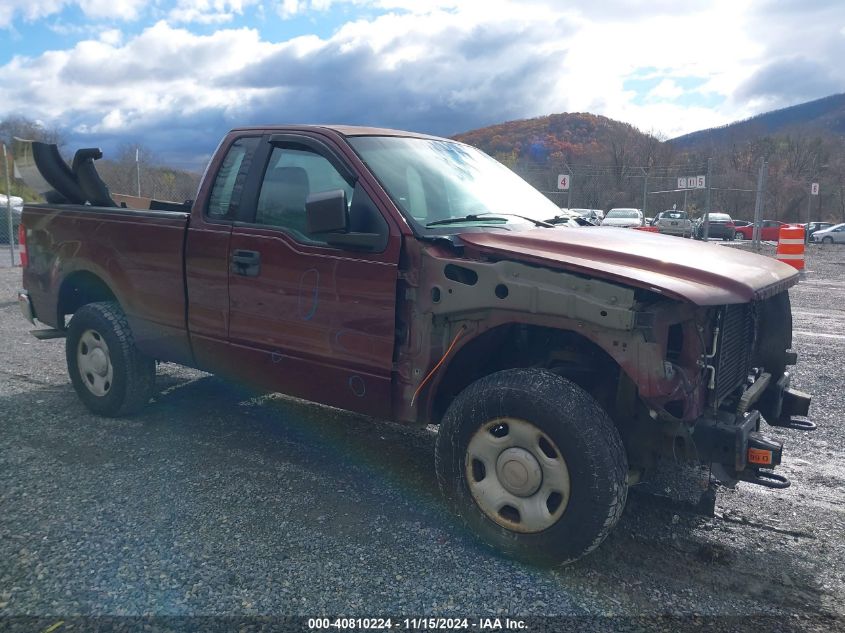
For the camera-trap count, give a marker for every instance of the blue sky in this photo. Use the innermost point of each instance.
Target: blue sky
(176, 74)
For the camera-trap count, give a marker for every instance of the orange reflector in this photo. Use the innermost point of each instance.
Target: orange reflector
(759, 456)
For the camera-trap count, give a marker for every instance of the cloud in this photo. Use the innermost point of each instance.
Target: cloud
(440, 66)
(666, 90)
(112, 9)
(789, 81)
(31, 10)
(442, 72)
(208, 11)
(28, 9)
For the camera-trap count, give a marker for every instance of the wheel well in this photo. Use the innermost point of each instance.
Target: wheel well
(79, 289)
(509, 346)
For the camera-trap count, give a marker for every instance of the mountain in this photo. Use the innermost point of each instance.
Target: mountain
(824, 116)
(568, 136)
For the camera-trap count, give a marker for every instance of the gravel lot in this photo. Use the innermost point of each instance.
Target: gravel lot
(220, 501)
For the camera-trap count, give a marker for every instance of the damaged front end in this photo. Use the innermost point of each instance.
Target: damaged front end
(746, 383)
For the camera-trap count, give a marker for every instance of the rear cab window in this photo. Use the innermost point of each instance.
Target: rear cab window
(224, 200)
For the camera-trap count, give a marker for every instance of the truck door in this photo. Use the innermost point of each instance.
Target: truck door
(305, 318)
(207, 250)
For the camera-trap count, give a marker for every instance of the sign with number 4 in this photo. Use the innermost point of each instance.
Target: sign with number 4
(563, 181)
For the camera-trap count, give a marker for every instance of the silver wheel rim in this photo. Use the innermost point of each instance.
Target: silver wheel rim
(517, 475)
(739, 236)
(94, 363)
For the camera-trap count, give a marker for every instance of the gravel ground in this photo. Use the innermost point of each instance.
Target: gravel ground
(220, 501)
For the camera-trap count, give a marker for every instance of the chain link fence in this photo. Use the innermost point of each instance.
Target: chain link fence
(651, 189)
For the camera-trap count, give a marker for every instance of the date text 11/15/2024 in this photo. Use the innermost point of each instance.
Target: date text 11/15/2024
(417, 624)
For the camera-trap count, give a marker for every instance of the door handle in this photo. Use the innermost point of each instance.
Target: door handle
(246, 263)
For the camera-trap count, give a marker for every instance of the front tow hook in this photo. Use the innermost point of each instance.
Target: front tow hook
(765, 478)
(794, 423)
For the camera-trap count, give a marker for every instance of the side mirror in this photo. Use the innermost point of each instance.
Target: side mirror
(327, 218)
(327, 212)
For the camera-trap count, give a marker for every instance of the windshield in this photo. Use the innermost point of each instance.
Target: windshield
(719, 217)
(433, 180)
(674, 215)
(623, 213)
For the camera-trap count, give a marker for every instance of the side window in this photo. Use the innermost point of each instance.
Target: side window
(229, 183)
(293, 173)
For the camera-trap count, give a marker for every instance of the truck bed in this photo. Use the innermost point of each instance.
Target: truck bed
(139, 254)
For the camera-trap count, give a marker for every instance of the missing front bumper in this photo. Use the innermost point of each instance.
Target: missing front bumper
(735, 450)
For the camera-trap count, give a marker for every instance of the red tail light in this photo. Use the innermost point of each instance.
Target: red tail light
(22, 246)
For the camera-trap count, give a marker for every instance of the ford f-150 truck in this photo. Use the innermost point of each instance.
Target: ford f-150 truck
(414, 278)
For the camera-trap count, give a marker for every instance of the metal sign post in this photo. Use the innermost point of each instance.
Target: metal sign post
(707, 198)
(645, 192)
(9, 207)
(814, 191)
(758, 205)
(563, 184)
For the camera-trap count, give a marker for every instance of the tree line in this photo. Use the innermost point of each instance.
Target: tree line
(614, 164)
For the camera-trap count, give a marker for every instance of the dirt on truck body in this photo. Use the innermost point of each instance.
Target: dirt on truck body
(414, 278)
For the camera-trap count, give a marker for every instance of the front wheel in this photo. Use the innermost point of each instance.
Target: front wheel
(739, 236)
(110, 375)
(533, 465)
(827, 239)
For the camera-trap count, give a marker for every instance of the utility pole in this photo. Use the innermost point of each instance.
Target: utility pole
(9, 207)
(645, 191)
(707, 200)
(758, 204)
(138, 170)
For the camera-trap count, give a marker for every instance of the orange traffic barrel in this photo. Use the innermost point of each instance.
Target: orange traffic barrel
(791, 246)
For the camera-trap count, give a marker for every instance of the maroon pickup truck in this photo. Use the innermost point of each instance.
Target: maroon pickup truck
(414, 278)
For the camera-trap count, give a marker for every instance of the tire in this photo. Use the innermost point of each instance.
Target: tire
(109, 374)
(564, 424)
(739, 236)
(827, 239)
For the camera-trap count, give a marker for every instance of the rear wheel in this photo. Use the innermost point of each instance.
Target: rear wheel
(109, 374)
(533, 465)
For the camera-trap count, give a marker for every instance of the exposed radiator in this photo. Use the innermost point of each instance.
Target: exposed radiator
(735, 346)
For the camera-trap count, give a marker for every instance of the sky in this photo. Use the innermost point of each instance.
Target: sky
(175, 75)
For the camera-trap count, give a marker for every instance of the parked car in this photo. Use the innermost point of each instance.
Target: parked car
(17, 209)
(830, 235)
(812, 227)
(673, 222)
(593, 215)
(769, 231)
(327, 263)
(721, 226)
(624, 217)
(567, 217)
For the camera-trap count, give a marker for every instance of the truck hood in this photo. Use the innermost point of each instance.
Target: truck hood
(699, 272)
